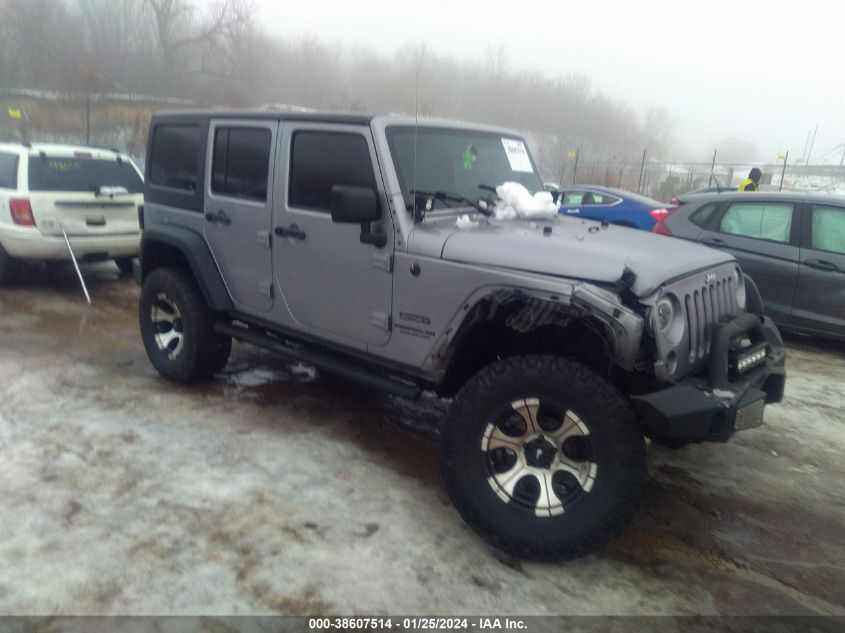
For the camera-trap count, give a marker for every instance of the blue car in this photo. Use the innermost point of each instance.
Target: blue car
(614, 205)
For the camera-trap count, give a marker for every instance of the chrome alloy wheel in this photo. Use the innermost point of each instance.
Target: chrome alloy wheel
(167, 325)
(539, 456)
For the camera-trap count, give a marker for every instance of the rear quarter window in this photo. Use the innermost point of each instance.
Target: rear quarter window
(174, 161)
(8, 171)
(47, 173)
(701, 216)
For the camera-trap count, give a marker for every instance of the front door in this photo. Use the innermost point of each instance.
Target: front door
(763, 236)
(333, 285)
(238, 209)
(820, 300)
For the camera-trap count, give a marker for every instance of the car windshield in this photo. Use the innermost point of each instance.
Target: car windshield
(462, 163)
(81, 174)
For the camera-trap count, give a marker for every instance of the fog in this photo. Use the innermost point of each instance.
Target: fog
(608, 78)
(763, 73)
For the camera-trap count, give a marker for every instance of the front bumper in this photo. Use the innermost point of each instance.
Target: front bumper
(713, 408)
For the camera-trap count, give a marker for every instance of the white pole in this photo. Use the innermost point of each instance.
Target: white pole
(75, 265)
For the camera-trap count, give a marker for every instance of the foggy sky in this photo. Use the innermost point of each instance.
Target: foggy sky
(761, 72)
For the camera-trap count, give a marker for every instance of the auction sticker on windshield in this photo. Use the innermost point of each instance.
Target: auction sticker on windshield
(517, 155)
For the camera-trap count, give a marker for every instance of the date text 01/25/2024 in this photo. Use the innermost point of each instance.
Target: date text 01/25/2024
(417, 624)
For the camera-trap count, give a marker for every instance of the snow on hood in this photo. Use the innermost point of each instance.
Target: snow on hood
(516, 203)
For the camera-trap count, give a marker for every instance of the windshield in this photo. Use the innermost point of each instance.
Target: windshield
(81, 174)
(459, 162)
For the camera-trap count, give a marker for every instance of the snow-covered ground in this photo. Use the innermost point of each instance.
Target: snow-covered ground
(272, 490)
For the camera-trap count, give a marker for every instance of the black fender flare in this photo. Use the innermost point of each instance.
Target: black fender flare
(194, 249)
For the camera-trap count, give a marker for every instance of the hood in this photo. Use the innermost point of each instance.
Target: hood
(581, 249)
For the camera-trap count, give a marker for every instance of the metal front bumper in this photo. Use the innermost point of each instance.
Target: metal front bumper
(713, 408)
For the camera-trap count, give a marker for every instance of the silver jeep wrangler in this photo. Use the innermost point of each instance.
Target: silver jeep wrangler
(333, 239)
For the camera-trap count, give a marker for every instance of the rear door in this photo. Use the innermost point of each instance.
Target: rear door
(820, 300)
(763, 236)
(86, 195)
(238, 208)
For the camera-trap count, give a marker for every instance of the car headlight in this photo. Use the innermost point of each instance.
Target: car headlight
(669, 319)
(665, 314)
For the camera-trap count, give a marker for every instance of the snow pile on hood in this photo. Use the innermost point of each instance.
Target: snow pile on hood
(465, 222)
(515, 202)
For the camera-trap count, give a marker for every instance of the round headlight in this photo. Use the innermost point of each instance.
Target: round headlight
(665, 314)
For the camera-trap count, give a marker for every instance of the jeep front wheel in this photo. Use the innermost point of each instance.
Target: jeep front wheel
(177, 327)
(543, 458)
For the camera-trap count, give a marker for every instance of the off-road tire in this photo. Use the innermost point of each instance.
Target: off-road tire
(124, 264)
(202, 352)
(8, 267)
(594, 517)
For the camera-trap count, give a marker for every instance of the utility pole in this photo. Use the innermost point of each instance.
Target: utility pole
(783, 173)
(575, 169)
(712, 168)
(642, 168)
(88, 119)
(813, 142)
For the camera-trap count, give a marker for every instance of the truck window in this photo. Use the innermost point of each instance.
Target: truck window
(241, 162)
(321, 160)
(175, 156)
(8, 171)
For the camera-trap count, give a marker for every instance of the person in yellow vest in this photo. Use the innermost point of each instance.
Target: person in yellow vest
(752, 183)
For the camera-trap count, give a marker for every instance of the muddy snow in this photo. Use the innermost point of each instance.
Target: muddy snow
(274, 490)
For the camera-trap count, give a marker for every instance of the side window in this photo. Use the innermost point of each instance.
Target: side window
(176, 150)
(828, 229)
(760, 220)
(8, 171)
(605, 199)
(241, 162)
(321, 160)
(573, 198)
(702, 215)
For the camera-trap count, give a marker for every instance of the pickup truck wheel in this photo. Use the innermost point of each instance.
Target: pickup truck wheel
(543, 458)
(178, 328)
(124, 264)
(8, 267)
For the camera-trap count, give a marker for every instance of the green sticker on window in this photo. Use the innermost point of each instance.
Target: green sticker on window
(470, 156)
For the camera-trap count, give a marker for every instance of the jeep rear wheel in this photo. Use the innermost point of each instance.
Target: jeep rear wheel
(178, 328)
(543, 458)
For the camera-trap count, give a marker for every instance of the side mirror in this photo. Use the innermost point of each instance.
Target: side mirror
(354, 205)
(358, 205)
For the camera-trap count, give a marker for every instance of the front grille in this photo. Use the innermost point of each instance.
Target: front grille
(711, 303)
(704, 299)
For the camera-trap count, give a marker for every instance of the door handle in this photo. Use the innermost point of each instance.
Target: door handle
(292, 231)
(218, 218)
(820, 264)
(713, 241)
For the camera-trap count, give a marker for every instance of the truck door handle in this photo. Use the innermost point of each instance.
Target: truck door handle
(820, 264)
(218, 218)
(713, 241)
(292, 231)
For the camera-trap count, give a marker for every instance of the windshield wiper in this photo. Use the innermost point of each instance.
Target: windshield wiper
(448, 196)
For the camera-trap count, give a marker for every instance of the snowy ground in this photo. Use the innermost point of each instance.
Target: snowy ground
(275, 491)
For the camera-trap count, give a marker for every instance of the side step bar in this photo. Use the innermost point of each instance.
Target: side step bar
(320, 361)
